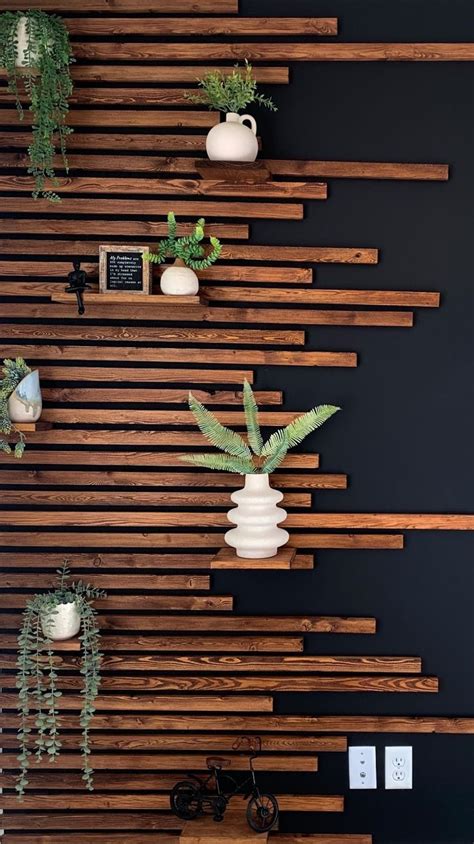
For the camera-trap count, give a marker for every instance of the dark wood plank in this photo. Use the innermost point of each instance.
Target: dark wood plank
(143, 561)
(291, 803)
(24, 498)
(360, 170)
(179, 703)
(130, 119)
(150, 395)
(46, 288)
(161, 334)
(133, 6)
(398, 298)
(390, 521)
(94, 820)
(145, 459)
(199, 603)
(145, 228)
(111, 26)
(137, 643)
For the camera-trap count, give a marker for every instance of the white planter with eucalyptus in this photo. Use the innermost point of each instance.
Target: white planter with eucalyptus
(61, 623)
(257, 515)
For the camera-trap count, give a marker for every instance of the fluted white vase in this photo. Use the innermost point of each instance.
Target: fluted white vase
(25, 403)
(63, 623)
(257, 516)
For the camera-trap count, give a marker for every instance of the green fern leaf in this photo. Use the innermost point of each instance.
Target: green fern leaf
(273, 461)
(218, 435)
(220, 463)
(300, 428)
(251, 418)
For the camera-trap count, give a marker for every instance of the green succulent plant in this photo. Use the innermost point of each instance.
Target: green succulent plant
(48, 86)
(13, 372)
(254, 456)
(230, 92)
(188, 249)
(37, 675)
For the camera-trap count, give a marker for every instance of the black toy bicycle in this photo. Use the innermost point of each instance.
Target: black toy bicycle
(194, 797)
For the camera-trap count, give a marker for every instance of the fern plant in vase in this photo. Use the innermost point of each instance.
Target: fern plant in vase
(36, 54)
(231, 93)
(257, 534)
(189, 254)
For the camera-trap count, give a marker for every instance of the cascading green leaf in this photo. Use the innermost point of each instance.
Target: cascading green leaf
(300, 428)
(221, 437)
(188, 249)
(251, 417)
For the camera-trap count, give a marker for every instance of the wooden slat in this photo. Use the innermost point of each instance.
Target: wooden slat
(291, 838)
(291, 803)
(112, 781)
(105, 838)
(177, 703)
(223, 624)
(175, 164)
(140, 207)
(111, 26)
(190, 540)
(140, 561)
(163, 479)
(46, 288)
(152, 374)
(161, 417)
(390, 521)
(161, 335)
(148, 228)
(119, 140)
(103, 581)
(135, 499)
(160, 187)
(170, 74)
(309, 52)
(151, 395)
(121, 117)
(223, 664)
(93, 820)
(240, 644)
(200, 603)
(145, 459)
(398, 298)
(104, 436)
(132, 6)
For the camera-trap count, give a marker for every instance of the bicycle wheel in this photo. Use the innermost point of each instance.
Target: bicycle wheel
(185, 800)
(262, 812)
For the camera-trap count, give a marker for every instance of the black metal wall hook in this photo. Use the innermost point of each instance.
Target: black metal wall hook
(77, 284)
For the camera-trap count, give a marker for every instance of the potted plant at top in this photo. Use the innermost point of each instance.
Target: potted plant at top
(20, 401)
(49, 617)
(189, 254)
(34, 47)
(256, 515)
(232, 93)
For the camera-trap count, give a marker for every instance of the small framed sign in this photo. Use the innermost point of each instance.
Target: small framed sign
(122, 269)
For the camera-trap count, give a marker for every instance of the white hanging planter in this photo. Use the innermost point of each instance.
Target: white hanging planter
(22, 57)
(63, 623)
(25, 403)
(257, 516)
(179, 280)
(232, 140)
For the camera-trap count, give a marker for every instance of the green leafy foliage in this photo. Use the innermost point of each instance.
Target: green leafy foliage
(47, 82)
(230, 92)
(37, 675)
(237, 456)
(13, 372)
(187, 249)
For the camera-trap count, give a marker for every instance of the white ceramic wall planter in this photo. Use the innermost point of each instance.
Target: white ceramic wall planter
(232, 140)
(22, 57)
(257, 516)
(25, 403)
(63, 623)
(179, 281)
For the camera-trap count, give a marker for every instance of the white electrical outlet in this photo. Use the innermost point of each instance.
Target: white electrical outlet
(398, 767)
(362, 768)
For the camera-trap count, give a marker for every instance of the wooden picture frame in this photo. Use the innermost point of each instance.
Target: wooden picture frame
(120, 272)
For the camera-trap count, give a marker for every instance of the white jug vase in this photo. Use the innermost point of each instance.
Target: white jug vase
(256, 516)
(232, 140)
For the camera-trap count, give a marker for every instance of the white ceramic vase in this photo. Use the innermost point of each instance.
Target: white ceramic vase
(232, 140)
(257, 516)
(63, 623)
(22, 58)
(179, 280)
(25, 403)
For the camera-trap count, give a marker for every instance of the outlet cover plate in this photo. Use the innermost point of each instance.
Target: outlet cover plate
(398, 767)
(362, 768)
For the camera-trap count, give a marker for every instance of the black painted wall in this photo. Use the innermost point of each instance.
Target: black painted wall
(405, 433)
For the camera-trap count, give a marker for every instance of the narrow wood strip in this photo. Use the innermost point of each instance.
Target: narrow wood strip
(92, 539)
(226, 624)
(240, 644)
(195, 313)
(142, 458)
(150, 395)
(148, 228)
(172, 74)
(176, 164)
(309, 52)
(110, 478)
(132, 6)
(140, 561)
(222, 664)
(390, 521)
(143, 207)
(94, 820)
(152, 374)
(184, 703)
(129, 118)
(104, 838)
(199, 603)
(111, 26)
(398, 298)
(134, 498)
(286, 802)
(161, 334)
(44, 289)
(120, 96)
(316, 839)
(103, 436)
(119, 140)
(160, 187)
(159, 417)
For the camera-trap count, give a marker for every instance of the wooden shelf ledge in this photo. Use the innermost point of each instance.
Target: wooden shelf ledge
(226, 558)
(126, 298)
(234, 828)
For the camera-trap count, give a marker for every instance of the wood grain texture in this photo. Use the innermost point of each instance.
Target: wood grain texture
(100, 562)
(390, 521)
(161, 334)
(398, 298)
(149, 374)
(111, 26)
(121, 117)
(132, 6)
(151, 395)
(146, 458)
(199, 603)
(177, 703)
(23, 498)
(44, 289)
(287, 802)
(167, 73)
(139, 643)
(98, 838)
(143, 228)
(94, 820)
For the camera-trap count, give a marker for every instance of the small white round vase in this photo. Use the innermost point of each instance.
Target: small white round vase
(63, 623)
(179, 281)
(256, 516)
(232, 140)
(25, 403)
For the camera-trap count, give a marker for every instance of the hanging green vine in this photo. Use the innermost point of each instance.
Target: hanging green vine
(48, 86)
(13, 372)
(37, 675)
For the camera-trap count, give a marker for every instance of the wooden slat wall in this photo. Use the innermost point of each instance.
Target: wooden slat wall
(183, 672)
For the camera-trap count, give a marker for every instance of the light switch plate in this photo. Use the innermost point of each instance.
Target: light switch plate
(362, 768)
(398, 767)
